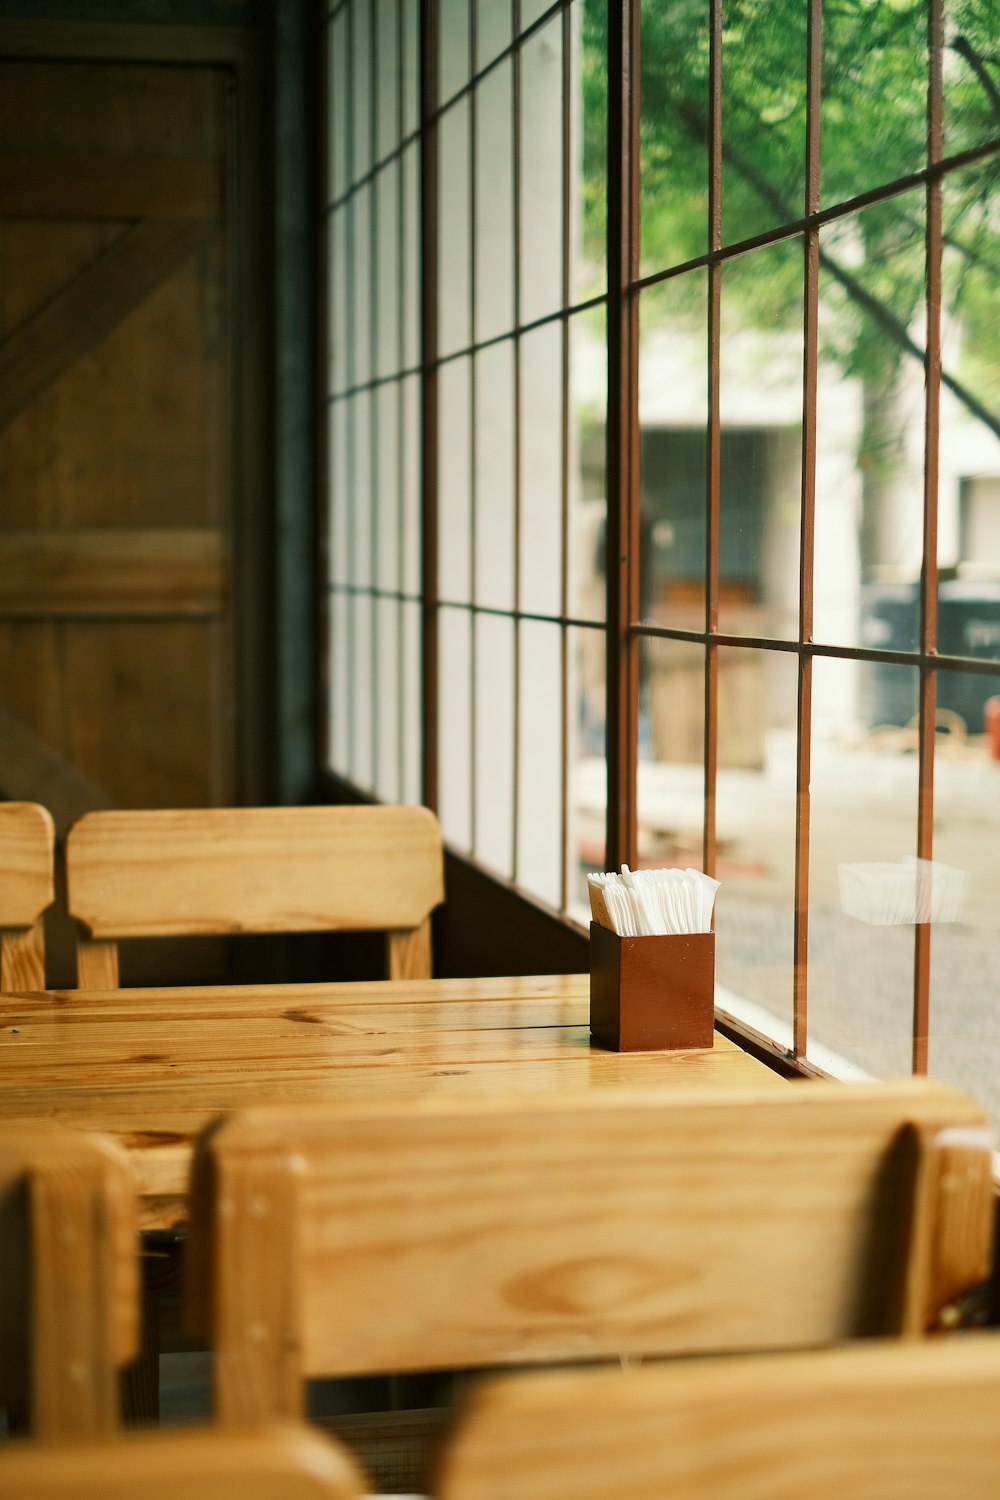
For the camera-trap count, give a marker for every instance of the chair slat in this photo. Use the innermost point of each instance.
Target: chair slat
(27, 888)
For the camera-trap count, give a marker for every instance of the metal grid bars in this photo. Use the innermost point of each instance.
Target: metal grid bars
(698, 382)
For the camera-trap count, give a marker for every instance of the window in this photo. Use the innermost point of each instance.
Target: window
(750, 582)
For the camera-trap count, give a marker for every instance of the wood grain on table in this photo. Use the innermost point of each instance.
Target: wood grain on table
(152, 1067)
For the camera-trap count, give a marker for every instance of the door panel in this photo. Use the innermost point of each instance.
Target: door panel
(116, 513)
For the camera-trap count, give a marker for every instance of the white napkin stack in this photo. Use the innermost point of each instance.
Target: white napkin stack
(649, 903)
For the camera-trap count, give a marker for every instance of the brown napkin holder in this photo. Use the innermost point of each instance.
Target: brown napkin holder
(651, 994)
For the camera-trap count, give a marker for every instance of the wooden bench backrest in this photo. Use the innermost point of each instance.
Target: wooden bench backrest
(27, 887)
(286, 1462)
(257, 869)
(69, 1283)
(881, 1421)
(482, 1231)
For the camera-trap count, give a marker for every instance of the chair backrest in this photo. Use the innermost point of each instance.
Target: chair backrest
(480, 1231)
(27, 887)
(284, 1462)
(256, 869)
(69, 1283)
(875, 1422)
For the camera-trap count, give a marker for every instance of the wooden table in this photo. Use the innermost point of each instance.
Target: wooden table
(153, 1066)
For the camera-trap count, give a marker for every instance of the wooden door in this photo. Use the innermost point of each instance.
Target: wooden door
(117, 680)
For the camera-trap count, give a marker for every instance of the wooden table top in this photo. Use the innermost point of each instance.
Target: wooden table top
(153, 1066)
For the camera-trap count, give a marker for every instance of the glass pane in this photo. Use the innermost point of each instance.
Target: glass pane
(337, 290)
(541, 173)
(863, 832)
(760, 407)
(453, 229)
(388, 707)
(971, 74)
(411, 703)
(586, 754)
(455, 726)
(454, 475)
(339, 561)
(337, 106)
(673, 149)
(764, 63)
(387, 302)
(453, 27)
(588, 504)
(969, 477)
(411, 541)
(494, 205)
(671, 785)
(755, 837)
(362, 491)
(339, 742)
(411, 259)
(362, 692)
(965, 942)
(530, 10)
(411, 66)
(360, 291)
(494, 645)
(589, 149)
(539, 808)
(494, 540)
(541, 524)
(870, 429)
(874, 110)
(387, 53)
(387, 535)
(673, 428)
(493, 18)
(362, 91)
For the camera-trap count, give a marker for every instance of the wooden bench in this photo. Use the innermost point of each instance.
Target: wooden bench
(257, 869)
(282, 1462)
(880, 1421)
(27, 888)
(69, 1291)
(471, 1232)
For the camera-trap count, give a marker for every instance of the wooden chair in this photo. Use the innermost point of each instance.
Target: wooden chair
(27, 887)
(464, 1232)
(69, 1286)
(283, 1462)
(873, 1422)
(259, 869)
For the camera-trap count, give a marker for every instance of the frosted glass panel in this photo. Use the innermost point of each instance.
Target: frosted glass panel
(455, 727)
(453, 229)
(387, 533)
(387, 743)
(362, 91)
(339, 741)
(360, 291)
(387, 310)
(541, 470)
(454, 474)
(453, 66)
(539, 812)
(362, 692)
(492, 30)
(411, 543)
(586, 481)
(671, 753)
(337, 107)
(541, 173)
(494, 205)
(586, 660)
(411, 258)
(494, 544)
(411, 66)
(362, 491)
(387, 42)
(411, 703)
(494, 639)
(340, 552)
(340, 316)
